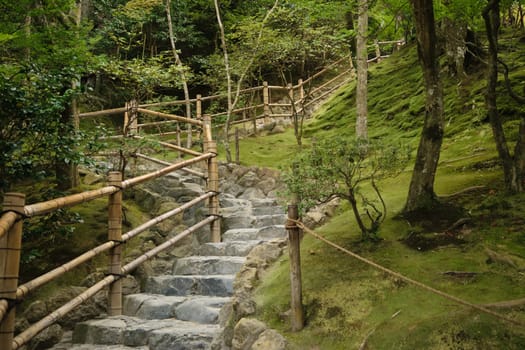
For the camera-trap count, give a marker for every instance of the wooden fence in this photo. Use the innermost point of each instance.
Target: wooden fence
(15, 211)
(260, 105)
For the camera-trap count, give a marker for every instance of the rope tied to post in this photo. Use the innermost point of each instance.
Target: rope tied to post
(408, 279)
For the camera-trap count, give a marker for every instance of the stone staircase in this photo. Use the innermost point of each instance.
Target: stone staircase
(181, 310)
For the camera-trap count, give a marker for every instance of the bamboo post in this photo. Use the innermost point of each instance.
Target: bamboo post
(10, 247)
(301, 89)
(133, 118)
(291, 97)
(198, 107)
(198, 111)
(126, 118)
(266, 102)
(213, 185)
(297, 313)
(237, 147)
(115, 234)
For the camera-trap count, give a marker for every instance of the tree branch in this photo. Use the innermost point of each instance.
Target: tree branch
(516, 97)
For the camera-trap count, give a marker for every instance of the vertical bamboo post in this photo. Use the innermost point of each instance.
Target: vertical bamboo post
(266, 102)
(206, 137)
(291, 97)
(126, 119)
(198, 112)
(300, 83)
(297, 313)
(237, 147)
(10, 246)
(133, 118)
(115, 234)
(198, 107)
(213, 186)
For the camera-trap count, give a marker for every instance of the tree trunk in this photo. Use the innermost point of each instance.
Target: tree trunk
(357, 215)
(520, 12)
(228, 82)
(179, 64)
(361, 128)
(421, 192)
(512, 167)
(233, 101)
(66, 173)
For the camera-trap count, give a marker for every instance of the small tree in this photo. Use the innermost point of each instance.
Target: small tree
(337, 168)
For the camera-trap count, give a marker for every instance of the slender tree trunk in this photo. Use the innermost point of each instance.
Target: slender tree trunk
(520, 12)
(512, 167)
(231, 100)
(179, 64)
(228, 82)
(66, 173)
(421, 192)
(357, 215)
(362, 71)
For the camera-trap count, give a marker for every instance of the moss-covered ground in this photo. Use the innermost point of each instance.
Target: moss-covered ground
(349, 304)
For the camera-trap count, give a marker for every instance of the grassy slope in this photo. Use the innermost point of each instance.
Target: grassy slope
(347, 301)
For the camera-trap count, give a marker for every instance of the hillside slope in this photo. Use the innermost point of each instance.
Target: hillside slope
(349, 304)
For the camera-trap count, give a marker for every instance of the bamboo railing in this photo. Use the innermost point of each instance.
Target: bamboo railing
(15, 211)
(264, 102)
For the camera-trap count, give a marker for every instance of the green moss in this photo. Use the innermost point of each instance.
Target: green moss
(347, 301)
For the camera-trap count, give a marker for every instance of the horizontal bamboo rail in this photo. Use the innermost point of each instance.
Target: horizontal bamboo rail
(324, 70)
(166, 245)
(170, 116)
(277, 87)
(279, 105)
(56, 315)
(180, 149)
(67, 201)
(162, 162)
(166, 103)
(30, 286)
(327, 92)
(119, 110)
(167, 133)
(331, 81)
(143, 227)
(242, 121)
(153, 175)
(280, 115)
(145, 125)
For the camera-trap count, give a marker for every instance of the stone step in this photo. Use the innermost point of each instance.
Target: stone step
(266, 202)
(155, 334)
(237, 220)
(208, 265)
(267, 210)
(232, 248)
(263, 233)
(269, 220)
(69, 346)
(227, 202)
(199, 309)
(173, 285)
(240, 234)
